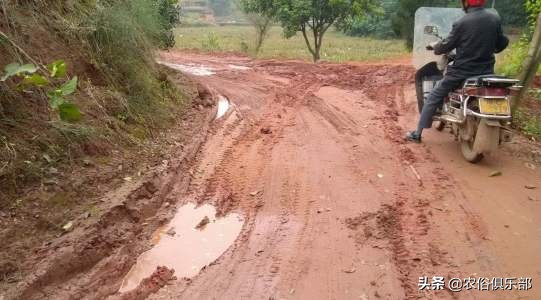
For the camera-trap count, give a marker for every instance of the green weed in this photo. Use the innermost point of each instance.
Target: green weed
(529, 124)
(211, 43)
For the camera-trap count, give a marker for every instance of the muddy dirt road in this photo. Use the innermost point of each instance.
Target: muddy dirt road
(312, 159)
(312, 156)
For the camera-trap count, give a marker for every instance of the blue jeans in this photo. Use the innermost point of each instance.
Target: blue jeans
(435, 98)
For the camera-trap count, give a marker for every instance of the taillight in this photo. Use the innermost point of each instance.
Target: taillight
(487, 91)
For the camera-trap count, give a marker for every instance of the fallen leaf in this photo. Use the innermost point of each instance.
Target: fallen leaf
(127, 178)
(171, 231)
(495, 173)
(47, 158)
(253, 194)
(349, 271)
(529, 166)
(266, 130)
(68, 226)
(530, 187)
(380, 175)
(203, 223)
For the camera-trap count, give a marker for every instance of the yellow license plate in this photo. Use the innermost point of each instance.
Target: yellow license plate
(494, 106)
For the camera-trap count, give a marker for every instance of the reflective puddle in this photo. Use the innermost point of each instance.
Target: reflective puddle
(197, 70)
(223, 106)
(240, 68)
(193, 239)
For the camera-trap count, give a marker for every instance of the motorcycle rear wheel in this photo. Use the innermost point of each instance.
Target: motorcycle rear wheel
(469, 154)
(466, 146)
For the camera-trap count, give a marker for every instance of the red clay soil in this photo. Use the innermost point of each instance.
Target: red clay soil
(150, 285)
(340, 212)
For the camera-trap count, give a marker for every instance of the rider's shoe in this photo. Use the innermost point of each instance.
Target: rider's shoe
(413, 136)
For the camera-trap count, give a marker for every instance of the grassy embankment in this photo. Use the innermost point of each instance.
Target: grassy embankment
(528, 116)
(123, 95)
(52, 171)
(337, 47)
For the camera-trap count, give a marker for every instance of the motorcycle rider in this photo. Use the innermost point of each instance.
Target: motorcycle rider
(476, 37)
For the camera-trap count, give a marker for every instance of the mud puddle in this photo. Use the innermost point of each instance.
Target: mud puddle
(196, 70)
(223, 106)
(193, 239)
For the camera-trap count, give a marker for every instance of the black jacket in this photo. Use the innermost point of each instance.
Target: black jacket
(476, 37)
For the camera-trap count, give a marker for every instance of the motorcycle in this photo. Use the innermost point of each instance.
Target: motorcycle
(479, 113)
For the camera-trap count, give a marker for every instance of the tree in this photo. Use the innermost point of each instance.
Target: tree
(169, 17)
(512, 12)
(312, 17)
(404, 19)
(260, 17)
(532, 61)
(262, 25)
(376, 24)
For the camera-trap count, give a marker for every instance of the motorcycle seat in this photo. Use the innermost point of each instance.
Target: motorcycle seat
(491, 80)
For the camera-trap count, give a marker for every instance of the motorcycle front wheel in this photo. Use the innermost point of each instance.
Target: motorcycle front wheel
(439, 125)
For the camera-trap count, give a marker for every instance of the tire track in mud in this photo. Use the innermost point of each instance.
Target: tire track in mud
(301, 93)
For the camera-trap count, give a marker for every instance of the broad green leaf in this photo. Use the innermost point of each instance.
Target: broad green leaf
(57, 68)
(55, 100)
(34, 79)
(54, 93)
(69, 87)
(28, 68)
(17, 69)
(69, 112)
(10, 70)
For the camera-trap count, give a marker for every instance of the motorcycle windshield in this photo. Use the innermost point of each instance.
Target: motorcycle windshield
(443, 18)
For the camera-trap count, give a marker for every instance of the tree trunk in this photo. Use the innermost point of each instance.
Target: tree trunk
(312, 51)
(530, 65)
(262, 26)
(317, 55)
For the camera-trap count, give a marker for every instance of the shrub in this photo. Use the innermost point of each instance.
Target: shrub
(511, 63)
(211, 43)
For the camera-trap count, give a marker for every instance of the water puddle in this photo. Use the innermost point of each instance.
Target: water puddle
(183, 247)
(223, 106)
(197, 70)
(241, 68)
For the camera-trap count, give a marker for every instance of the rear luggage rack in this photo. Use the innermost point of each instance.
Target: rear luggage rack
(491, 81)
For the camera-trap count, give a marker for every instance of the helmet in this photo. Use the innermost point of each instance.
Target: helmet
(472, 3)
